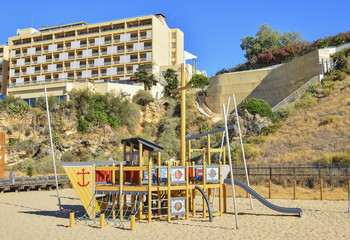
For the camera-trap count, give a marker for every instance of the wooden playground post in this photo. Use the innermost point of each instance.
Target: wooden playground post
(189, 150)
(208, 150)
(270, 189)
(132, 222)
(71, 219)
(321, 189)
(224, 197)
(93, 210)
(113, 173)
(149, 191)
(2, 154)
(132, 161)
(187, 195)
(169, 192)
(120, 199)
(193, 172)
(220, 188)
(102, 220)
(159, 203)
(140, 163)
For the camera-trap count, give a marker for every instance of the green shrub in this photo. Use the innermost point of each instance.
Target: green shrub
(83, 125)
(256, 139)
(12, 141)
(328, 120)
(142, 98)
(30, 171)
(271, 129)
(339, 157)
(258, 106)
(114, 122)
(322, 44)
(68, 156)
(306, 101)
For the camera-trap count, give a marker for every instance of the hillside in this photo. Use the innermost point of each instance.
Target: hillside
(313, 132)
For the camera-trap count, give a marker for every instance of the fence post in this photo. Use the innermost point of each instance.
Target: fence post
(294, 190)
(321, 188)
(349, 195)
(270, 183)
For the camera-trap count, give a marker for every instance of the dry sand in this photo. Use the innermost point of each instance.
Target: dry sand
(32, 215)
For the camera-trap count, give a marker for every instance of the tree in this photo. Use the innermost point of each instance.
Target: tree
(144, 77)
(266, 38)
(171, 78)
(199, 81)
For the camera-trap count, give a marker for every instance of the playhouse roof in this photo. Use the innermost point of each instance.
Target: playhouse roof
(147, 145)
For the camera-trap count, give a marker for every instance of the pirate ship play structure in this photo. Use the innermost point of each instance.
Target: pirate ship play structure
(135, 188)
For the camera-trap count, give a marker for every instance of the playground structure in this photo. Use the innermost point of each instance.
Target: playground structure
(119, 191)
(122, 189)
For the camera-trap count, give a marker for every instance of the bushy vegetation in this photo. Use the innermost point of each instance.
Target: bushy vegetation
(199, 81)
(258, 106)
(142, 98)
(335, 40)
(339, 157)
(170, 77)
(95, 109)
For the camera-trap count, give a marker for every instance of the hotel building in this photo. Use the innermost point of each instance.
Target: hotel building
(102, 57)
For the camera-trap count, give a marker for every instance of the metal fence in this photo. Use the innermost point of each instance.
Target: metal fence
(294, 171)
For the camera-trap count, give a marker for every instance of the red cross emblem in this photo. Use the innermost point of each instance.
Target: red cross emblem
(83, 173)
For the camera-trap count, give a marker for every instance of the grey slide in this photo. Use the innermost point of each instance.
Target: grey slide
(264, 201)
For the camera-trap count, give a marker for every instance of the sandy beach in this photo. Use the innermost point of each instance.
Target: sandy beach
(33, 215)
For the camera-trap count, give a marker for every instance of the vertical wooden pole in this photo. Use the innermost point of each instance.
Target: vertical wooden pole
(120, 199)
(132, 161)
(193, 202)
(187, 195)
(141, 163)
(224, 197)
(220, 188)
(208, 150)
(169, 192)
(132, 222)
(113, 174)
(189, 150)
(2, 154)
(71, 219)
(193, 173)
(321, 189)
(159, 196)
(270, 189)
(102, 220)
(149, 191)
(183, 116)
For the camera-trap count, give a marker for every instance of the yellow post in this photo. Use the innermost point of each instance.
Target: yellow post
(141, 161)
(71, 219)
(321, 188)
(158, 169)
(224, 197)
(189, 150)
(121, 190)
(193, 202)
(193, 172)
(132, 222)
(102, 220)
(93, 210)
(269, 189)
(124, 148)
(132, 161)
(183, 116)
(149, 191)
(220, 189)
(187, 195)
(169, 192)
(208, 149)
(113, 174)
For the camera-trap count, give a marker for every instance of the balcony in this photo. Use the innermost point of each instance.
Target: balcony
(130, 71)
(38, 71)
(120, 72)
(71, 57)
(117, 40)
(130, 49)
(17, 55)
(116, 62)
(80, 56)
(108, 41)
(104, 53)
(59, 48)
(107, 63)
(38, 51)
(59, 69)
(82, 65)
(120, 50)
(143, 59)
(133, 60)
(94, 75)
(83, 45)
(147, 47)
(103, 74)
(133, 38)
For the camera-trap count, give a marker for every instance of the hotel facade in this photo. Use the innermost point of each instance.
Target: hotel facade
(102, 57)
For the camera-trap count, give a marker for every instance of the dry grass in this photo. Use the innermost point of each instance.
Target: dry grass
(304, 138)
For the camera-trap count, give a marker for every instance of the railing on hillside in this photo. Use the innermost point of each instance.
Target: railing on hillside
(296, 94)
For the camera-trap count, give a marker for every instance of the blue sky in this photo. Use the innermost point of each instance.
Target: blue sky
(212, 29)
